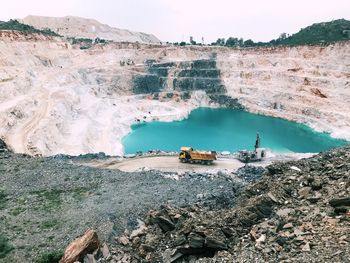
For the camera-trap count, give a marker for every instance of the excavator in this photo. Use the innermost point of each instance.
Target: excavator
(253, 156)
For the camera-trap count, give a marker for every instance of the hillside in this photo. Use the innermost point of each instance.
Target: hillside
(71, 26)
(17, 26)
(319, 33)
(323, 33)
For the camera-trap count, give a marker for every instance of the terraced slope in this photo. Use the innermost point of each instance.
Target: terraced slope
(58, 98)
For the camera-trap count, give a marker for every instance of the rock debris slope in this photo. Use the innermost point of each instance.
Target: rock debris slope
(297, 211)
(47, 201)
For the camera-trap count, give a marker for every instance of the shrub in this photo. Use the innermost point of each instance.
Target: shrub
(5, 246)
(50, 257)
(317, 34)
(17, 26)
(3, 199)
(75, 40)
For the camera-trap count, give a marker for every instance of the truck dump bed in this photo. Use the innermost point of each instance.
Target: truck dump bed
(203, 155)
(187, 154)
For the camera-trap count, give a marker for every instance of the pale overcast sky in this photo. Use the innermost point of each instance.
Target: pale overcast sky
(176, 20)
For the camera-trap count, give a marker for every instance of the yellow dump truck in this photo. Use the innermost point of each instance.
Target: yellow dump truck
(188, 155)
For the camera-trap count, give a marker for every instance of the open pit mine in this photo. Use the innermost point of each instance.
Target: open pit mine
(68, 98)
(56, 98)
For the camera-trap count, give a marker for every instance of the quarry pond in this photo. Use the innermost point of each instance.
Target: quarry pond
(227, 130)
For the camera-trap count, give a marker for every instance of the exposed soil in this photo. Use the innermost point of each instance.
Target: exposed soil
(163, 163)
(170, 163)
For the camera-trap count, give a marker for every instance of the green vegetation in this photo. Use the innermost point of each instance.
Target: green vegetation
(17, 26)
(49, 200)
(16, 211)
(3, 199)
(5, 247)
(86, 43)
(74, 40)
(50, 257)
(317, 34)
(81, 193)
(53, 223)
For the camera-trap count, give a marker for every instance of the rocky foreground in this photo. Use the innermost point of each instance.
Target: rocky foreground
(297, 211)
(46, 202)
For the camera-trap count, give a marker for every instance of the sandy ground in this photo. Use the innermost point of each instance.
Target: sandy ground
(166, 164)
(171, 163)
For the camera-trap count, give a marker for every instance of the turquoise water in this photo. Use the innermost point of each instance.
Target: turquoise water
(227, 130)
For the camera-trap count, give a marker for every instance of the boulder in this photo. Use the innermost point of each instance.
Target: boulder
(340, 202)
(105, 251)
(215, 243)
(123, 240)
(3, 146)
(295, 168)
(306, 247)
(165, 224)
(180, 240)
(141, 230)
(261, 239)
(317, 183)
(89, 258)
(259, 208)
(80, 247)
(273, 198)
(304, 192)
(170, 255)
(341, 209)
(288, 225)
(195, 240)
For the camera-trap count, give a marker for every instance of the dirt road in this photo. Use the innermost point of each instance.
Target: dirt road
(163, 163)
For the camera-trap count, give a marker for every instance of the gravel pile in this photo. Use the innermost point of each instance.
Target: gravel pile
(250, 173)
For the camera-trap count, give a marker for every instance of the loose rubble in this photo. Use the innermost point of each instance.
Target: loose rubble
(47, 201)
(297, 211)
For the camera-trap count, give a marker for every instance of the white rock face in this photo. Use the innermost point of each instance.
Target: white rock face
(305, 84)
(71, 26)
(56, 98)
